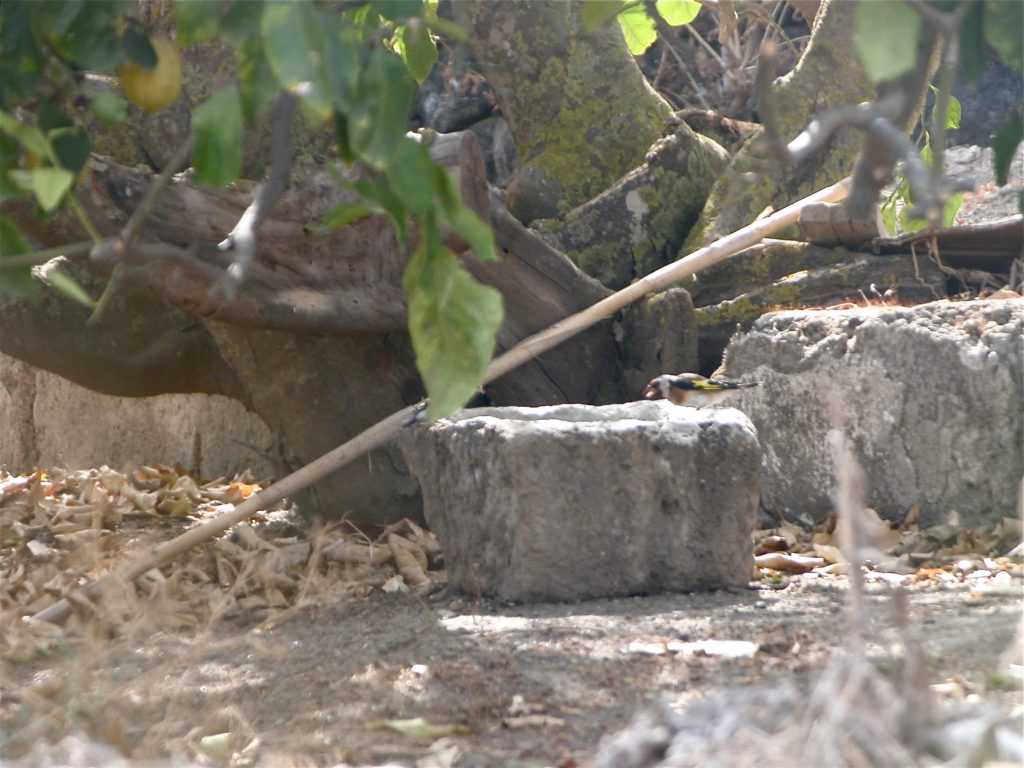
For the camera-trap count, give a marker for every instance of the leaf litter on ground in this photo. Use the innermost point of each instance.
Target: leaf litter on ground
(60, 529)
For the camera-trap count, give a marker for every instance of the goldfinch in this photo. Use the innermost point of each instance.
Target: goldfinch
(692, 389)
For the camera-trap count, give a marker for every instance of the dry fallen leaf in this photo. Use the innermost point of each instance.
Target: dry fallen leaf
(419, 729)
(779, 561)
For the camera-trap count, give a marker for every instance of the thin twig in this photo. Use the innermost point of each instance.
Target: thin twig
(156, 186)
(242, 239)
(714, 54)
(117, 249)
(384, 431)
(41, 257)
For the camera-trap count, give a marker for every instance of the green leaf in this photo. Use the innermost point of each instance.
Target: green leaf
(341, 136)
(470, 228)
(30, 137)
(257, 83)
(1002, 27)
(446, 29)
(343, 214)
(926, 150)
(10, 152)
(293, 42)
(398, 10)
(1004, 146)
(412, 175)
(377, 192)
(218, 128)
(110, 108)
(14, 281)
(49, 185)
(885, 38)
(21, 62)
(71, 146)
(453, 321)
(463, 221)
(638, 28)
(67, 285)
(597, 13)
(972, 42)
(418, 50)
(954, 110)
(82, 33)
(362, 17)
(889, 217)
(908, 224)
(197, 20)
(241, 20)
(377, 121)
(952, 208)
(50, 116)
(138, 48)
(678, 12)
(344, 57)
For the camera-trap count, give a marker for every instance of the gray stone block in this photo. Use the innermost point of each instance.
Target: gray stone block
(932, 397)
(48, 421)
(573, 501)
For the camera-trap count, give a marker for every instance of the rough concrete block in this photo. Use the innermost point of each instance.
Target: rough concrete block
(932, 397)
(48, 421)
(572, 501)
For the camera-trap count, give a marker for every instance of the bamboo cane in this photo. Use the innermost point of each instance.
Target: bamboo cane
(384, 431)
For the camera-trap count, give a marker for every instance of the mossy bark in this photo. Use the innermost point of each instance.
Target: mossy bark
(580, 111)
(637, 225)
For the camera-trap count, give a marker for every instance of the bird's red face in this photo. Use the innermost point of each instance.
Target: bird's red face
(653, 390)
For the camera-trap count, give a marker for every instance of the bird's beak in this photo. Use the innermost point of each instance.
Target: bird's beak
(652, 392)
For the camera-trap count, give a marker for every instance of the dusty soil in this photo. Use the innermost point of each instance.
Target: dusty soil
(524, 685)
(502, 685)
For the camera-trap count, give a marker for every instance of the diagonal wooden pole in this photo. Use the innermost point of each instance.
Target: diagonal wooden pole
(384, 431)
(659, 280)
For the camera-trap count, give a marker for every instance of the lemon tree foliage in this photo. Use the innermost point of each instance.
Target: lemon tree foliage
(887, 39)
(895, 209)
(638, 28)
(353, 68)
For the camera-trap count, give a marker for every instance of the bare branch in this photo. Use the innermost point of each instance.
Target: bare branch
(43, 256)
(242, 239)
(885, 144)
(176, 163)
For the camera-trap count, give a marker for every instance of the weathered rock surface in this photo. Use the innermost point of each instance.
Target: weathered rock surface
(574, 502)
(932, 397)
(47, 421)
(659, 334)
(856, 279)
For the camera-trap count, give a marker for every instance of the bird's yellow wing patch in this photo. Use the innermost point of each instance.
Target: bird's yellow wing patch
(707, 386)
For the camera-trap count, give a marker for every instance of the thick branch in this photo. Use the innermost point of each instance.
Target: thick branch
(142, 346)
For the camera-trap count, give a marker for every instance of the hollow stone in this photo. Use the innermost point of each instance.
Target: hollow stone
(573, 502)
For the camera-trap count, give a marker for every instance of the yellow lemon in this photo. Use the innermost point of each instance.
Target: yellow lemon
(153, 89)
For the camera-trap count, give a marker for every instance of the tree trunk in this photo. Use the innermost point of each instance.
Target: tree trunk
(580, 111)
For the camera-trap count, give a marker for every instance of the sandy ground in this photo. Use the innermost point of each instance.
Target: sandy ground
(516, 685)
